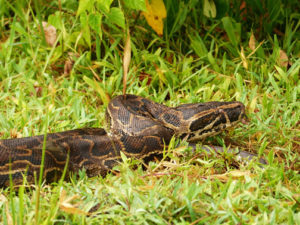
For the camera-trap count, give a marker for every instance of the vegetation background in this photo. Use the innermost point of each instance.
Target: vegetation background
(62, 61)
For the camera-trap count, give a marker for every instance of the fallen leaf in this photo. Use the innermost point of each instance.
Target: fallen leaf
(239, 173)
(156, 12)
(38, 89)
(234, 174)
(252, 42)
(169, 164)
(283, 59)
(68, 66)
(66, 206)
(50, 33)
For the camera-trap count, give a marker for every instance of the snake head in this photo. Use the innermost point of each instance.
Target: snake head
(210, 118)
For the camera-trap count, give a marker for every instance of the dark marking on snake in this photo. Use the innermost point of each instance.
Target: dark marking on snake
(202, 122)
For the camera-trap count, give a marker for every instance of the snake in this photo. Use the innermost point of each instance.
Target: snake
(134, 126)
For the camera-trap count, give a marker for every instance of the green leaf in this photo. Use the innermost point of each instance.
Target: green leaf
(198, 46)
(116, 16)
(136, 4)
(85, 28)
(95, 85)
(55, 20)
(84, 5)
(274, 84)
(213, 62)
(222, 7)
(95, 22)
(271, 157)
(209, 9)
(273, 9)
(123, 157)
(232, 29)
(104, 5)
(239, 83)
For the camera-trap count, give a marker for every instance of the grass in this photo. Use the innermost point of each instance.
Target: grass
(197, 63)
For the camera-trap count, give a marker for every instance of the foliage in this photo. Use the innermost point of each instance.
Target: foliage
(227, 50)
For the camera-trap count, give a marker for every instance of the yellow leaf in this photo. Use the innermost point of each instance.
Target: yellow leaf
(66, 205)
(239, 173)
(234, 174)
(252, 106)
(156, 12)
(252, 42)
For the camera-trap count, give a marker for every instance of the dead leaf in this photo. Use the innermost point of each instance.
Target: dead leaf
(156, 12)
(243, 10)
(66, 205)
(239, 173)
(94, 208)
(144, 76)
(252, 42)
(68, 66)
(126, 61)
(38, 89)
(168, 164)
(147, 187)
(244, 60)
(283, 59)
(95, 74)
(234, 174)
(50, 33)
(15, 134)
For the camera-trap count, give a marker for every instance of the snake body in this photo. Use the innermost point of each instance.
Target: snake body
(136, 126)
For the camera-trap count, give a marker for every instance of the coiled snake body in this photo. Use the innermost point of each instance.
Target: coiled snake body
(136, 126)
